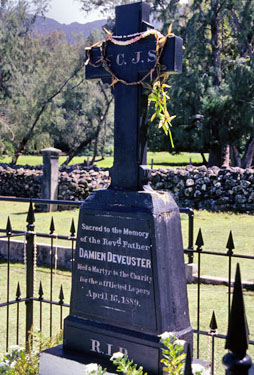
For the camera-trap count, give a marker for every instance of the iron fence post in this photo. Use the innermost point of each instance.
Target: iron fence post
(199, 244)
(30, 242)
(191, 236)
(237, 361)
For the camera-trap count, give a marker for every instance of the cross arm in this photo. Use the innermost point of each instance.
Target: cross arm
(95, 68)
(171, 57)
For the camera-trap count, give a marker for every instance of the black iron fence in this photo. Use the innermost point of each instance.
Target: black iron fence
(229, 255)
(33, 302)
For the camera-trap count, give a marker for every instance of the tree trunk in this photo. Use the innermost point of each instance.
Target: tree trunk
(214, 156)
(215, 42)
(217, 153)
(248, 154)
(204, 161)
(95, 149)
(225, 156)
(219, 156)
(235, 157)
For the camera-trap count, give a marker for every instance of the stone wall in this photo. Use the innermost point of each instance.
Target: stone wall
(75, 182)
(20, 181)
(214, 189)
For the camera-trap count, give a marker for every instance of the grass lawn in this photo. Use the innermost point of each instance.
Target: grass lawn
(17, 273)
(215, 228)
(213, 298)
(160, 159)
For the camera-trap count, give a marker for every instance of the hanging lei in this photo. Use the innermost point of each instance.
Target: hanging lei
(157, 88)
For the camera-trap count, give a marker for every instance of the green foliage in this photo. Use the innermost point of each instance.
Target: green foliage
(44, 99)
(22, 361)
(95, 369)
(213, 97)
(159, 97)
(76, 117)
(173, 358)
(125, 366)
(173, 354)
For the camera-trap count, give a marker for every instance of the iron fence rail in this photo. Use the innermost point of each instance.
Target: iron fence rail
(30, 234)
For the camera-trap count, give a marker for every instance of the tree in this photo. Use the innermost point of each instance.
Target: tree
(35, 70)
(214, 108)
(14, 26)
(208, 97)
(44, 98)
(86, 119)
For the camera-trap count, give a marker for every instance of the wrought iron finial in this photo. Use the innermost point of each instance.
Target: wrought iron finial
(199, 241)
(230, 244)
(61, 296)
(8, 226)
(236, 361)
(52, 226)
(213, 324)
(18, 292)
(40, 292)
(72, 229)
(30, 216)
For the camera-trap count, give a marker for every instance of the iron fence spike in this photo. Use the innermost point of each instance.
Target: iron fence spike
(61, 295)
(30, 216)
(52, 226)
(188, 360)
(40, 291)
(230, 244)
(18, 292)
(199, 241)
(213, 324)
(8, 226)
(238, 333)
(72, 229)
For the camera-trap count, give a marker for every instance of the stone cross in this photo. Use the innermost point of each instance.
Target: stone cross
(131, 63)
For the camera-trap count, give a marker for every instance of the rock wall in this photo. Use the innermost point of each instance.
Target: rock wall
(75, 182)
(20, 181)
(215, 189)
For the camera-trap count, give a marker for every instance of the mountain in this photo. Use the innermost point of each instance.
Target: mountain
(47, 25)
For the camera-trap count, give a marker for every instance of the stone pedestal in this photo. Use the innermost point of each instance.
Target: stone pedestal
(50, 157)
(129, 281)
(55, 361)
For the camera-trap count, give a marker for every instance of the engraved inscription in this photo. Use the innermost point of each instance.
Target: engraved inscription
(113, 276)
(105, 348)
(135, 58)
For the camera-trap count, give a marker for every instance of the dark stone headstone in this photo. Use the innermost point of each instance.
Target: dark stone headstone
(128, 282)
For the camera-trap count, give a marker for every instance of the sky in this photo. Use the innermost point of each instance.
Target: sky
(68, 11)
